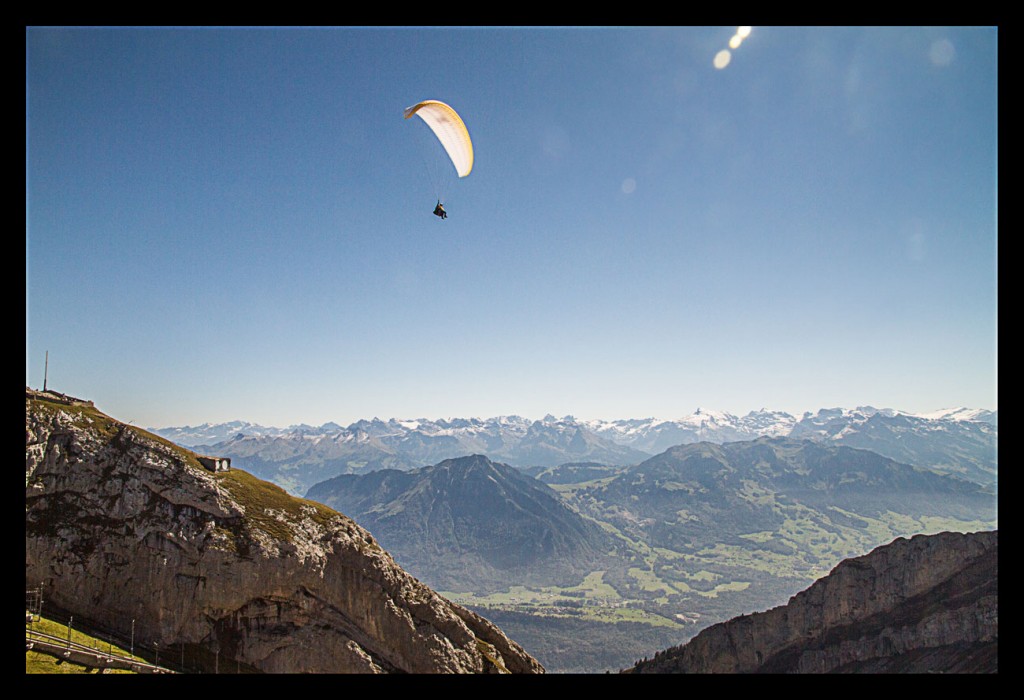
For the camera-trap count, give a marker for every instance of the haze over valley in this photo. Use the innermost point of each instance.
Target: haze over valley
(559, 529)
(514, 349)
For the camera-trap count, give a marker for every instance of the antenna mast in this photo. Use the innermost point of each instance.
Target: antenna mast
(46, 369)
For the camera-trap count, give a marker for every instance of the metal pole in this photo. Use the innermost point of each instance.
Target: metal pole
(133, 638)
(46, 369)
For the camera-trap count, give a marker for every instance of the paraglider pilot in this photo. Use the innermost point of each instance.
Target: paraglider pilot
(439, 210)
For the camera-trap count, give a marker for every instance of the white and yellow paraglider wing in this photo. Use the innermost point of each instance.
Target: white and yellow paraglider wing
(450, 130)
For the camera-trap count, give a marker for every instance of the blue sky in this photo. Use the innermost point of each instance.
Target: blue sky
(236, 223)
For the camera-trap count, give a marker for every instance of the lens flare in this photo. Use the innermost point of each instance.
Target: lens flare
(724, 57)
(942, 52)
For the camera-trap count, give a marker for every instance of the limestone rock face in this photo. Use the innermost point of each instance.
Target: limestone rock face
(924, 604)
(122, 526)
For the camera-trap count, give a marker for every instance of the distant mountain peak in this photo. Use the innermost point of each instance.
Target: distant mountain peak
(469, 521)
(300, 458)
(466, 463)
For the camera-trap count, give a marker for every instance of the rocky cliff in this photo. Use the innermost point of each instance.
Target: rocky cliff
(924, 604)
(128, 530)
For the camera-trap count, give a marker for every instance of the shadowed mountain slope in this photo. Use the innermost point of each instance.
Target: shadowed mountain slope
(924, 605)
(470, 521)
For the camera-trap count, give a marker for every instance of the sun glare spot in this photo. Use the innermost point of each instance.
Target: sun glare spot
(724, 57)
(916, 240)
(916, 246)
(942, 52)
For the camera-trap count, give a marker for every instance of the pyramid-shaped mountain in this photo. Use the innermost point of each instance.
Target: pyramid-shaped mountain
(470, 521)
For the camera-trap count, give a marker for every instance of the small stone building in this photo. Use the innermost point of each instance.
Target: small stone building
(215, 464)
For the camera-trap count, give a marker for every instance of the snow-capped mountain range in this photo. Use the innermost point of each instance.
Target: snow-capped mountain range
(651, 435)
(954, 441)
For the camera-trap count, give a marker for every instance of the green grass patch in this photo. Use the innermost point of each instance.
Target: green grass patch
(591, 589)
(732, 586)
(647, 580)
(703, 575)
(753, 493)
(37, 662)
(515, 595)
(567, 608)
(570, 489)
(82, 416)
(676, 486)
(90, 419)
(593, 586)
(756, 559)
(670, 555)
(935, 525)
(270, 507)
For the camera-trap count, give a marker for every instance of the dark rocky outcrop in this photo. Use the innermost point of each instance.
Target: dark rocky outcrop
(129, 531)
(924, 604)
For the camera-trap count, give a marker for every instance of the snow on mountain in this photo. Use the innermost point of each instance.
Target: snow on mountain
(655, 435)
(959, 441)
(830, 422)
(979, 415)
(211, 433)
(650, 435)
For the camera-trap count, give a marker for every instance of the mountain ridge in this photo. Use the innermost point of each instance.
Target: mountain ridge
(468, 522)
(69, 444)
(961, 442)
(772, 421)
(928, 603)
(125, 528)
(701, 532)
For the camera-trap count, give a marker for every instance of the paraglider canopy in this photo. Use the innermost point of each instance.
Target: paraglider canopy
(450, 130)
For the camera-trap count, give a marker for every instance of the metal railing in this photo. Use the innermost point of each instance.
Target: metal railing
(83, 655)
(143, 657)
